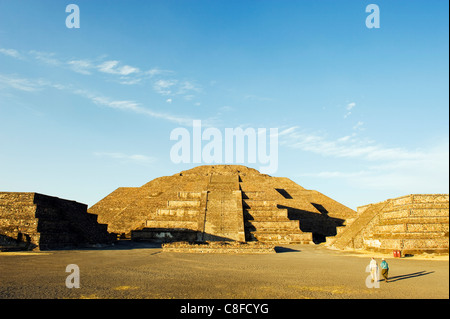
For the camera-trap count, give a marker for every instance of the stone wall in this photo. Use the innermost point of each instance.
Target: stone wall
(36, 221)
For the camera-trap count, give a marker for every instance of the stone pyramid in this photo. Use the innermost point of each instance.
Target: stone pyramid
(222, 202)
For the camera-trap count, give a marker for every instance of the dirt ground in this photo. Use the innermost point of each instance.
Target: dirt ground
(140, 270)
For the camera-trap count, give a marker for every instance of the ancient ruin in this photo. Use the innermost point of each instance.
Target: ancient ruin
(227, 208)
(412, 224)
(222, 202)
(36, 221)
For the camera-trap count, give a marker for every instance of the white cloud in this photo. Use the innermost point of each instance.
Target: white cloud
(344, 138)
(188, 86)
(164, 86)
(11, 52)
(133, 106)
(111, 67)
(157, 71)
(32, 85)
(343, 147)
(169, 100)
(46, 57)
(392, 169)
(350, 106)
(129, 81)
(20, 83)
(80, 66)
(426, 173)
(358, 126)
(121, 156)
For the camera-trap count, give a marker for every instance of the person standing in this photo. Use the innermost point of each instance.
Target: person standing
(384, 269)
(373, 269)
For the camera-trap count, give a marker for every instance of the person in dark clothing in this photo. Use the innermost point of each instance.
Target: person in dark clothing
(384, 269)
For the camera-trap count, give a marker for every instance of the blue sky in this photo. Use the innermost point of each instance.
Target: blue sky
(362, 114)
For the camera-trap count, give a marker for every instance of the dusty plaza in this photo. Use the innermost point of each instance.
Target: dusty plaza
(142, 270)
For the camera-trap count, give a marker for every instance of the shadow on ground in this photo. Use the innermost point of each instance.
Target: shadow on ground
(409, 276)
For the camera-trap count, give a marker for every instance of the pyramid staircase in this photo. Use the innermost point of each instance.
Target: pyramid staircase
(180, 218)
(346, 235)
(265, 222)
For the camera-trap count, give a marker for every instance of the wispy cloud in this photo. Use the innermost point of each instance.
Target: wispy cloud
(20, 83)
(112, 67)
(427, 172)
(349, 107)
(133, 106)
(346, 147)
(358, 126)
(187, 87)
(81, 66)
(157, 71)
(173, 87)
(126, 157)
(379, 167)
(48, 58)
(164, 87)
(11, 52)
(32, 85)
(87, 66)
(163, 81)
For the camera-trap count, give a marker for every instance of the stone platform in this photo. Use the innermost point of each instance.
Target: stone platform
(220, 247)
(412, 224)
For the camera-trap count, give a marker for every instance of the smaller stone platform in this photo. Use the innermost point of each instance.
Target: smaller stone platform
(221, 247)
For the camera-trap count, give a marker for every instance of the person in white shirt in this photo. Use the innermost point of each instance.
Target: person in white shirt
(373, 269)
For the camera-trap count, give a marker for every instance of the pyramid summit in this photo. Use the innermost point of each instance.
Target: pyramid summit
(222, 202)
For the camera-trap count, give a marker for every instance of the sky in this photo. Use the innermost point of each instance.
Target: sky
(362, 114)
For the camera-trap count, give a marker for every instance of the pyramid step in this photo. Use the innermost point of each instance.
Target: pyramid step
(269, 218)
(260, 203)
(266, 212)
(175, 224)
(189, 195)
(415, 220)
(410, 235)
(274, 225)
(183, 203)
(281, 237)
(180, 212)
(416, 227)
(11, 198)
